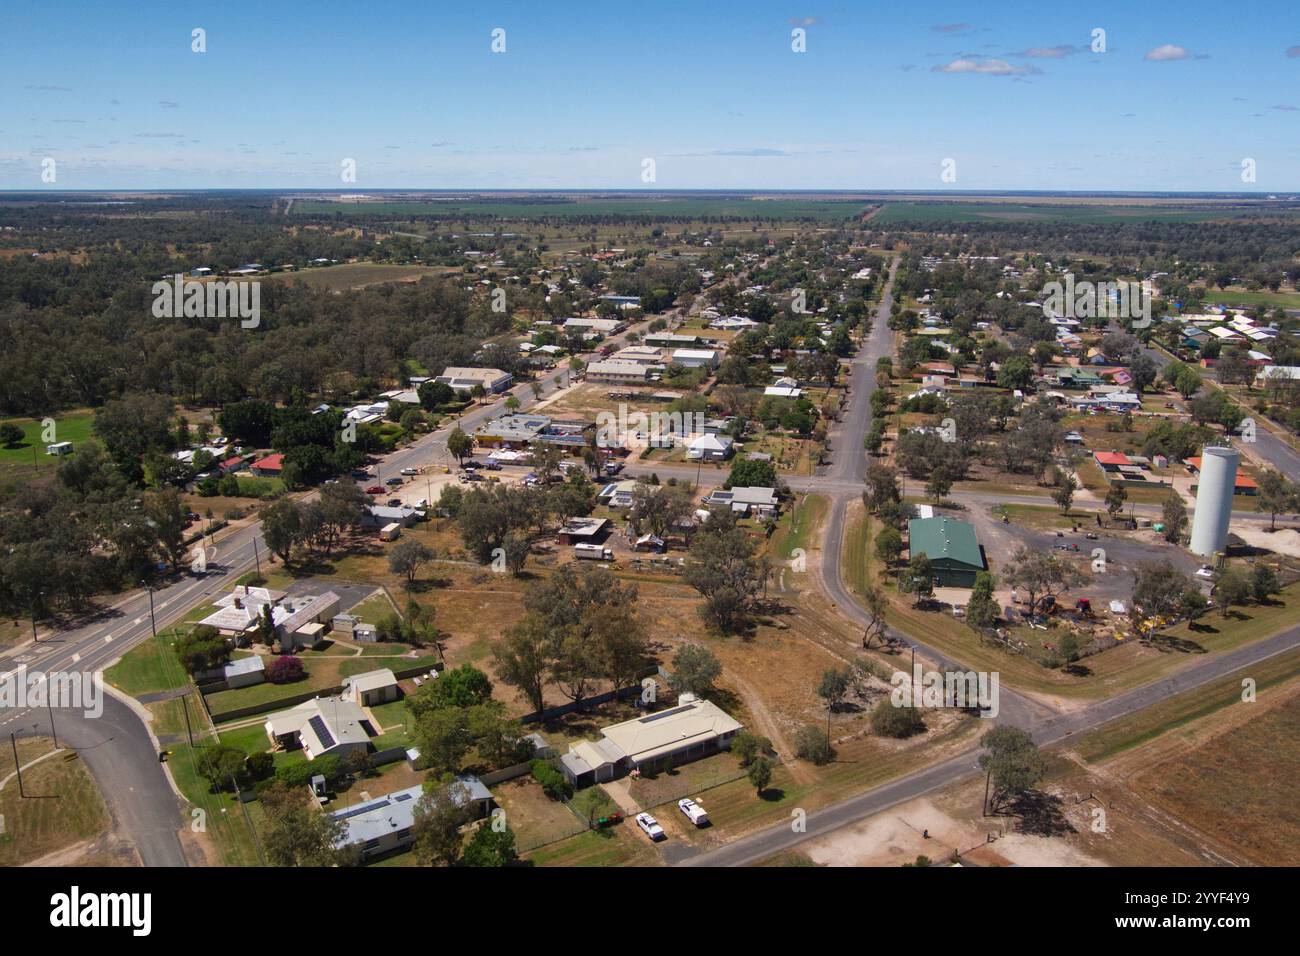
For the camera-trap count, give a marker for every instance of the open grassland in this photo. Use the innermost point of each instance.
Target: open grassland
(63, 805)
(1285, 300)
(1136, 729)
(27, 458)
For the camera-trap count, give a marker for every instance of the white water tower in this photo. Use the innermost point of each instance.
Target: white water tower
(1214, 493)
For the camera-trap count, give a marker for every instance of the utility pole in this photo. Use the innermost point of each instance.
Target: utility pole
(13, 742)
(189, 730)
(49, 705)
(257, 557)
(153, 624)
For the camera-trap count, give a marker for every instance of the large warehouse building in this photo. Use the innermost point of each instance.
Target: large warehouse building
(951, 545)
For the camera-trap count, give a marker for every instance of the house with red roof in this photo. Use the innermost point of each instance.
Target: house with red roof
(269, 467)
(1111, 460)
(232, 465)
(1245, 485)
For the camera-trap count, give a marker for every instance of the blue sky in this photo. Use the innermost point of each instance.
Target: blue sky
(713, 93)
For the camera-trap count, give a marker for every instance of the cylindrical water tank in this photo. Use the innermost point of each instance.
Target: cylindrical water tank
(1214, 492)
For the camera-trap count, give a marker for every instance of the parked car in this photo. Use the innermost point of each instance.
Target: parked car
(394, 502)
(650, 826)
(1205, 571)
(694, 812)
(393, 482)
(360, 474)
(374, 490)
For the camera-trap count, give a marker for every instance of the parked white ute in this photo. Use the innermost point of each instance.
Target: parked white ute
(651, 826)
(694, 812)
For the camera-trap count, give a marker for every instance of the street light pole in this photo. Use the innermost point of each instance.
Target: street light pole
(153, 624)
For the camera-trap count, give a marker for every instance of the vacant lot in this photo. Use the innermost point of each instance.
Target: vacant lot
(354, 275)
(63, 805)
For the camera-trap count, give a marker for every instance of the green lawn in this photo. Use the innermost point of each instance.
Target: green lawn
(28, 457)
(1285, 300)
(148, 669)
(797, 524)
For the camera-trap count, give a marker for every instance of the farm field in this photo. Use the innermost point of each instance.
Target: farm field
(355, 275)
(563, 207)
(993, 211)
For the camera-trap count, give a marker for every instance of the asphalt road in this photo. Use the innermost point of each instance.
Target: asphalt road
(765, 843)
(116, 746)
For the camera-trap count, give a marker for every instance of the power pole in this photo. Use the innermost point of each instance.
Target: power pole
(189, 730)
(13, 742)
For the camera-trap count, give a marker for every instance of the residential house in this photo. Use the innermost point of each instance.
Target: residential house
(691, 730)
(710, 448)
(323, 725)
(387, 824)
(751, 500)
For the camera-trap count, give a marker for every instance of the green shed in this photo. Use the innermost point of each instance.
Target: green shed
(951, 545)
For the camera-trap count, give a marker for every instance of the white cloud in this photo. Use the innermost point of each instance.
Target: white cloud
(990, 67)
(1167, 51)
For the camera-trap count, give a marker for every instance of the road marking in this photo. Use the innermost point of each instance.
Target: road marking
(108, 638)
(76, 658)
(137, 620)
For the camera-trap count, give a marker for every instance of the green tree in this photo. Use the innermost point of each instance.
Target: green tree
(460, 444)
(1173, 513)
(441, 812)
(490, 847)
(295, 833)
(759, 774)
(1012, 764)
(695, 668)
(407, 557)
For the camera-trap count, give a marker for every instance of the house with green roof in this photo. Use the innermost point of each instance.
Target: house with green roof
(954, 551)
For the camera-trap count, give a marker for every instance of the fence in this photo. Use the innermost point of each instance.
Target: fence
(282, 703)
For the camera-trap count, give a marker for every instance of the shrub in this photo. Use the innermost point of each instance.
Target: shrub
(811, 743)
(554, 784)
(260, 766)
(890, 721)
(285, 670)
(299, 774)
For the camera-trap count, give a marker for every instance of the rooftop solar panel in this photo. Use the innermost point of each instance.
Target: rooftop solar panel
(322, 732)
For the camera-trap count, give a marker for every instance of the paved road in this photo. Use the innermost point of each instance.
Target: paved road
(841, 482)
(1267, 446)
(124, 762)
(765, 843)
(117, 746)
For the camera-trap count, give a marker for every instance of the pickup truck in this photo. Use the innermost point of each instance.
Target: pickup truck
(694, 812)
(408, 472)
(651, 827)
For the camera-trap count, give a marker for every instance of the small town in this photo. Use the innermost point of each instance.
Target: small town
(651, 492)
